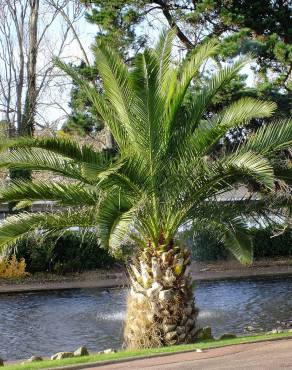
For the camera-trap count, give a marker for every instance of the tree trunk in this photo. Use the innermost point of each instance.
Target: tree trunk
(26, 121)
(161, 309)
(27, 125)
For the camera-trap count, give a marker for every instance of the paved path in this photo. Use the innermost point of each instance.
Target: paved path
(255, 356)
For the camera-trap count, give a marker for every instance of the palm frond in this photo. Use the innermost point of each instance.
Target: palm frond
(204, 98)
(271, 138)
(38, 159)
(163, 52)
(17, 227)
(189, 69)
(106, 111)
(113, 219)
(61, 193)
(116, 83)
(251, 165)
(239, 243)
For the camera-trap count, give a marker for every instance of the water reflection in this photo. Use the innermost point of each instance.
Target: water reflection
(43, 323)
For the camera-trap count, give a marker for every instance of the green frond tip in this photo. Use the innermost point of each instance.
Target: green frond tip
(252, 165)
(239, 243)
(243, 110)
(74, 194)
(17, 227)
(271, 138)
(63, 146)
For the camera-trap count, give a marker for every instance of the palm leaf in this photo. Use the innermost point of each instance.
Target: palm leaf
(17, 227)
(62, 193)
(271, 138)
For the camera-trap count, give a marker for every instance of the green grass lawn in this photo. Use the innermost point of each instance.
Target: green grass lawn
(147, 352)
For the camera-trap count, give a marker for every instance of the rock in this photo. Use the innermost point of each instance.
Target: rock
(165, 295)
(168, 328)
(35, 359)
(82, 351)
(205, 333)
(249, 328)
(286, 323)
(199, 350)
(180, 330)
(170, 335)
(62, 355)
(109, 350)
(1, 362)
(275, 331)
(227, 336)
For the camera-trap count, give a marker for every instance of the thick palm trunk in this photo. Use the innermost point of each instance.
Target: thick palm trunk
(161, 309)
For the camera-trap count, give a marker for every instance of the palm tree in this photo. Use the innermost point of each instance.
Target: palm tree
(163, 178)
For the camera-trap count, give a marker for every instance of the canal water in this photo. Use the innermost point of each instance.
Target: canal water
(42, 323)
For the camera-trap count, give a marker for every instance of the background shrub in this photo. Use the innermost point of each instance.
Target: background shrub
(268, 245)
(10, 268)
(71, 252)
(205, 245)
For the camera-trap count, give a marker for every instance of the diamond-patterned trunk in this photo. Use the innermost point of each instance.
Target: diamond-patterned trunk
(161, 309)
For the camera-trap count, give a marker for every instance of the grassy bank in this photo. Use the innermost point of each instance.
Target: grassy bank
(122, 355)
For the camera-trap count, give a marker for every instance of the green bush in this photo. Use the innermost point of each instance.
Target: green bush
(268, 245)
(205, 245)
(71, 252)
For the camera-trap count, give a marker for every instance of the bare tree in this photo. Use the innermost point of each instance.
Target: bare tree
(32, 32)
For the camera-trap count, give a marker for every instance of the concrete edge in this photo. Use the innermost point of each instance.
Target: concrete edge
(103, 283)
(121, 281)
(131, 359)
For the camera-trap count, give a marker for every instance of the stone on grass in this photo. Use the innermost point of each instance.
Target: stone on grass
(205, 333)
(109, 350)
(275, 331)
(82, 351)
(227, 336)
(62, 355)
(35, 359)
(249, 328)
